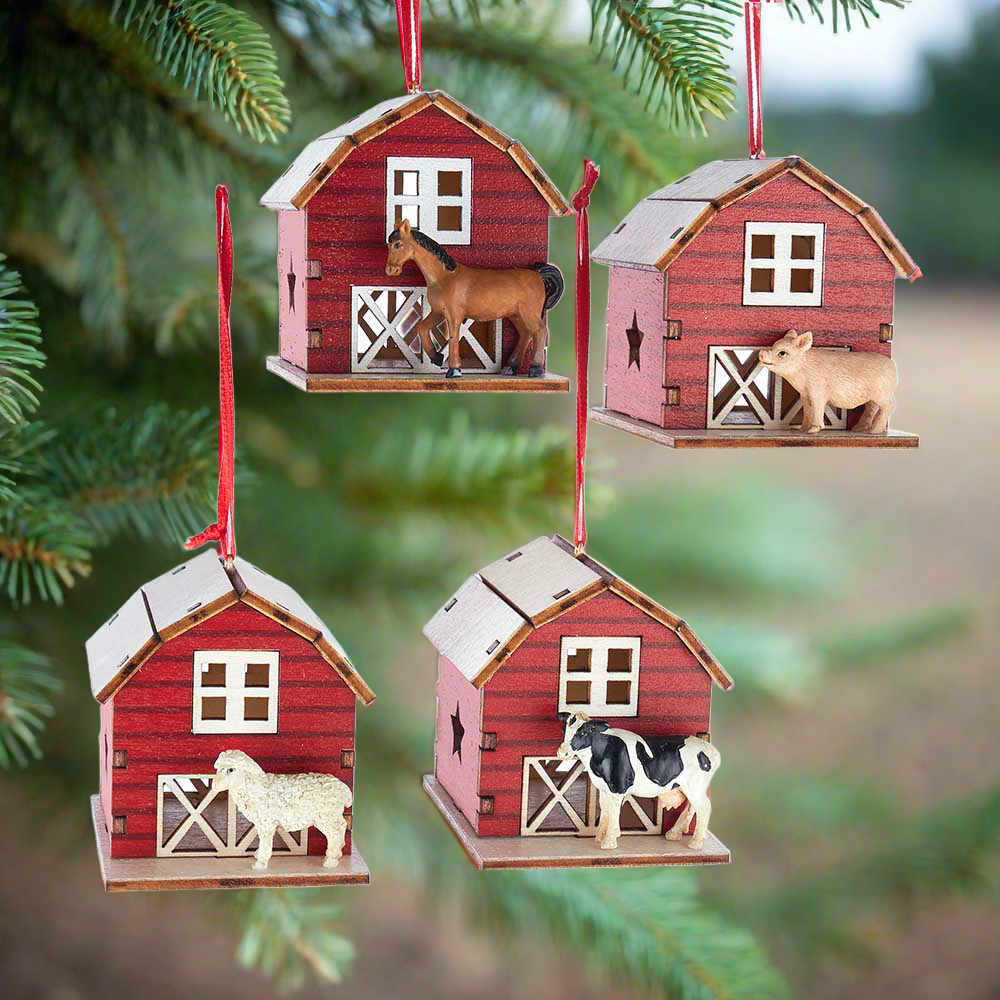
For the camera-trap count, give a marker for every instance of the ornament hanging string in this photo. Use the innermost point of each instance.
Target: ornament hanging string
(224, 530)
(408, 18)
(755, 112)
(580, 202)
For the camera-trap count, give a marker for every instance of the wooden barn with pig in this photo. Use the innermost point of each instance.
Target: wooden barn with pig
(201, 660)
(723, 262)
(538, 633)
(425, 159)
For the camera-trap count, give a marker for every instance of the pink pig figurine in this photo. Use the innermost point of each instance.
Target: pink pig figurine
(844, 379)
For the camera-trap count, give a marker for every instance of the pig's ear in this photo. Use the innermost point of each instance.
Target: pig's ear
(804, 340)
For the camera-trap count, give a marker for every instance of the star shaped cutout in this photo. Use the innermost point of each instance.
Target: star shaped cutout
(457, 732)
(635, 336)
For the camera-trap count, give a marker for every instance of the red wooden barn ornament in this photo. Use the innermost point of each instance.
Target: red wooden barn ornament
(218, 683)
(413, 249)
(533, 646)
(750, 304)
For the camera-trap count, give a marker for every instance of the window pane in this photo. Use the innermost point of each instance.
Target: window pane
(619, 692)
(450, 183)
(761, 279)
(213, 708)
(619, 660)
(406, 182)
(258, 675)
(762, 247)
(803, 247)
(578, 661)
(578, 692)
(213, 675)
(802, 279)
(255, 709)
(409, 212)
(449, 218)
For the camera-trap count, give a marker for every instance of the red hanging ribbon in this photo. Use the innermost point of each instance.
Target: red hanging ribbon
(224, 531)
(408, 18)
(580, 202)
(755, 112)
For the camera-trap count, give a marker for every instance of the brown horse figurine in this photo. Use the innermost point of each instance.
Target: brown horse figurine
(456, 293)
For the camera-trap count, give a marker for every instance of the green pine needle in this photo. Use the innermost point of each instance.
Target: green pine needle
(27, 685)
(19, 339)
(217, 50)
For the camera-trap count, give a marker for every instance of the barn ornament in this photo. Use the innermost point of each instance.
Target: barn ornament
(714, 268)
(411, 250)
(217, 664)
(545, 633)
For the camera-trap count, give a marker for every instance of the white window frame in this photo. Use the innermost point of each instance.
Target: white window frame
(834, 419)
(782, 263)
(427, 200)
(598, 675)
(235, 690)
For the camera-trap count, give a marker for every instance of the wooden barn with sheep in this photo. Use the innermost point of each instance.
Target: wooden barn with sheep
(541, 632)
(723, 262)
(426, 159)
(200, 660)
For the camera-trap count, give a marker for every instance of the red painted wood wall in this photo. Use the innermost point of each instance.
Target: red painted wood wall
(152, 721)
(520, 701)
(346, 224)
(705, 292)
(458, 774)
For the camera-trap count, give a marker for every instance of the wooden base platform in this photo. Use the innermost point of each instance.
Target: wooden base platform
(389, 382)
(569, 852)
(751, 437)
(121, 874)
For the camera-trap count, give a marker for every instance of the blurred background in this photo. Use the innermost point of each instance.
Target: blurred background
(852, 595)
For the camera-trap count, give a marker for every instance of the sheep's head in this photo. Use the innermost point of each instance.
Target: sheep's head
(233, 767)
(785, 356)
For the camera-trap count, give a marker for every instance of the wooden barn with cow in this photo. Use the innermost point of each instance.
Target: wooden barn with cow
(723, 262)
(537, 635)
(201, 660)
(425, 159)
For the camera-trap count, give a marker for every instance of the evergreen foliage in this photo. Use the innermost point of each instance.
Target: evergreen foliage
(119, 119)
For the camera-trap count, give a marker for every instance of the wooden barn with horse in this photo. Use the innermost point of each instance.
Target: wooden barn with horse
(467, 295)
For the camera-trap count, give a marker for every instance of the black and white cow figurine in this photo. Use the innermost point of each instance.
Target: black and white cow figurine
(676, 770)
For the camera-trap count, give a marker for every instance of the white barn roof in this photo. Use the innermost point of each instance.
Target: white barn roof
(191, 593)
(495, 610)
(310, 169)
(658, 229)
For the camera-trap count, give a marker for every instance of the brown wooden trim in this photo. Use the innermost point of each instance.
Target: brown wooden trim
(885, 333)
(751, 184)
(462, 114)
(488, 741)
(675, 329)
(840, 196)
(694, 228)
(318, 177)
(548, 190)
(347, 759)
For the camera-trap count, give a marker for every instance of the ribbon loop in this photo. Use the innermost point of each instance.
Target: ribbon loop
(223, 531)
(408, 19)
(581, 201)
(755, 111)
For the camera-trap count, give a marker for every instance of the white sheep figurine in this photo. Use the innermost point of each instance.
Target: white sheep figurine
(290, 801)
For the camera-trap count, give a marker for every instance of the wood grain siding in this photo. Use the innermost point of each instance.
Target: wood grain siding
(153, 718)
(459, 775)
(292, 299)
(346, 224)
(634, 390)
(106, 748)
(520, 701)
(706, 292)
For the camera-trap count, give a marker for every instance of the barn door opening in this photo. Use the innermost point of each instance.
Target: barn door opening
(558, 800)
(743, 393)
(195, 819)
(384, 336)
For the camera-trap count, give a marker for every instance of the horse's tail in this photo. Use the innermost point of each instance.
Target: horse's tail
(552, 279)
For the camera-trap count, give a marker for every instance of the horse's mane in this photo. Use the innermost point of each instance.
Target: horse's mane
(428, 244)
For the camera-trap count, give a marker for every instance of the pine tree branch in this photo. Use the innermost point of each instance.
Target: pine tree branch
(215, 48)
(27, 685)
(19, 337)
(864, 8)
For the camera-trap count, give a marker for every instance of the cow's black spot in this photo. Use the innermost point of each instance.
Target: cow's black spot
(586, 732)
(706, 764)
(665, 763)
(609, 760)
